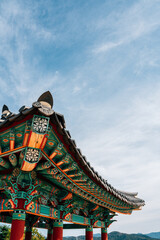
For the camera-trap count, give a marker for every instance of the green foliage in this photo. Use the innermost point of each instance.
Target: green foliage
(36, 235)
(4, 232)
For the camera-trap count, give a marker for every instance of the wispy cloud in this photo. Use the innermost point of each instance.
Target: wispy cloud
(130, 25)
(127, 153)
(107, 46)
(101, 62)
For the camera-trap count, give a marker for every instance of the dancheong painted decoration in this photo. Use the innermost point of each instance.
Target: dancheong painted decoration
(45, 181)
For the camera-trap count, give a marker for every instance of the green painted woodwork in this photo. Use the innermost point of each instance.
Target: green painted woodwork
(58, 223)
(109, 222)
(44, 222)
(65, 160)
(19, 132)
(24, 179)
(62, 195)
(52, 143)
(5, 219)
(79, 172)
(44, 195)
(32, 155)
(98, 224)
(16, 134)
(89, 228)
(19, 215)
(6, 204)
(43, 210)
(2, 168)
(105, 204)
(31, 220)
(80, 219)
(4, 163)
(73, 187)
(40, 124)
(73, 226)
(5, 141)
(50, 231)
(110, 216)
(13, 159)
(104, 230)
(43, 165)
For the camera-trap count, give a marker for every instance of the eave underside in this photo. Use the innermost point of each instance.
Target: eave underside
(65, 170)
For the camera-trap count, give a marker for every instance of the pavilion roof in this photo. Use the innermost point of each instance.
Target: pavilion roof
(57, 119)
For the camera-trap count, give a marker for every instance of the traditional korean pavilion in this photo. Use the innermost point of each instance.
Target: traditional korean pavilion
(45, 181)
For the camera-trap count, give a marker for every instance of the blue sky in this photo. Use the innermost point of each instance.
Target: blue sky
(101, 62)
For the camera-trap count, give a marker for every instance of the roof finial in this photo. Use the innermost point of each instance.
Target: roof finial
(45, 104)
(46, 98)
(5, 112)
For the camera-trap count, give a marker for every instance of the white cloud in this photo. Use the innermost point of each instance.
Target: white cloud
(76, 89)
(130, 25)
(19, 30)
(127, 152)
(110, 101)
(106, 47)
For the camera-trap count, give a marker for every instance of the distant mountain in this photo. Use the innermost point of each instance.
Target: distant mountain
(97, 235)
(154, 235)
(124, 236)
(115, 236)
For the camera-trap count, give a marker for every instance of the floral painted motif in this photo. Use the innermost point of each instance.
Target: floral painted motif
(32, 155)
(40, 125)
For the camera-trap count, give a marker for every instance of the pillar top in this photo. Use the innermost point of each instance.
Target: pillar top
(89, 228)
(58, 223)
(19, 215)
(103, 230)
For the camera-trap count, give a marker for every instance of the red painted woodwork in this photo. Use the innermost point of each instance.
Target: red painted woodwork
(89, 235)
(20, 204)
(50, 235)
(17, 229)
(28, 235)
(57, 233)
(104, 236)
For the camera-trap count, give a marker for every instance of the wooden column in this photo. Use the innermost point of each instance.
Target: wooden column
(58, 230)
(50, 234)
(104, 234)
(89, 233)
(28, 235)
(18, 224)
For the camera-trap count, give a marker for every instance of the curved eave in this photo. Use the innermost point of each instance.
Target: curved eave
(129, 198)
(58, 123)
